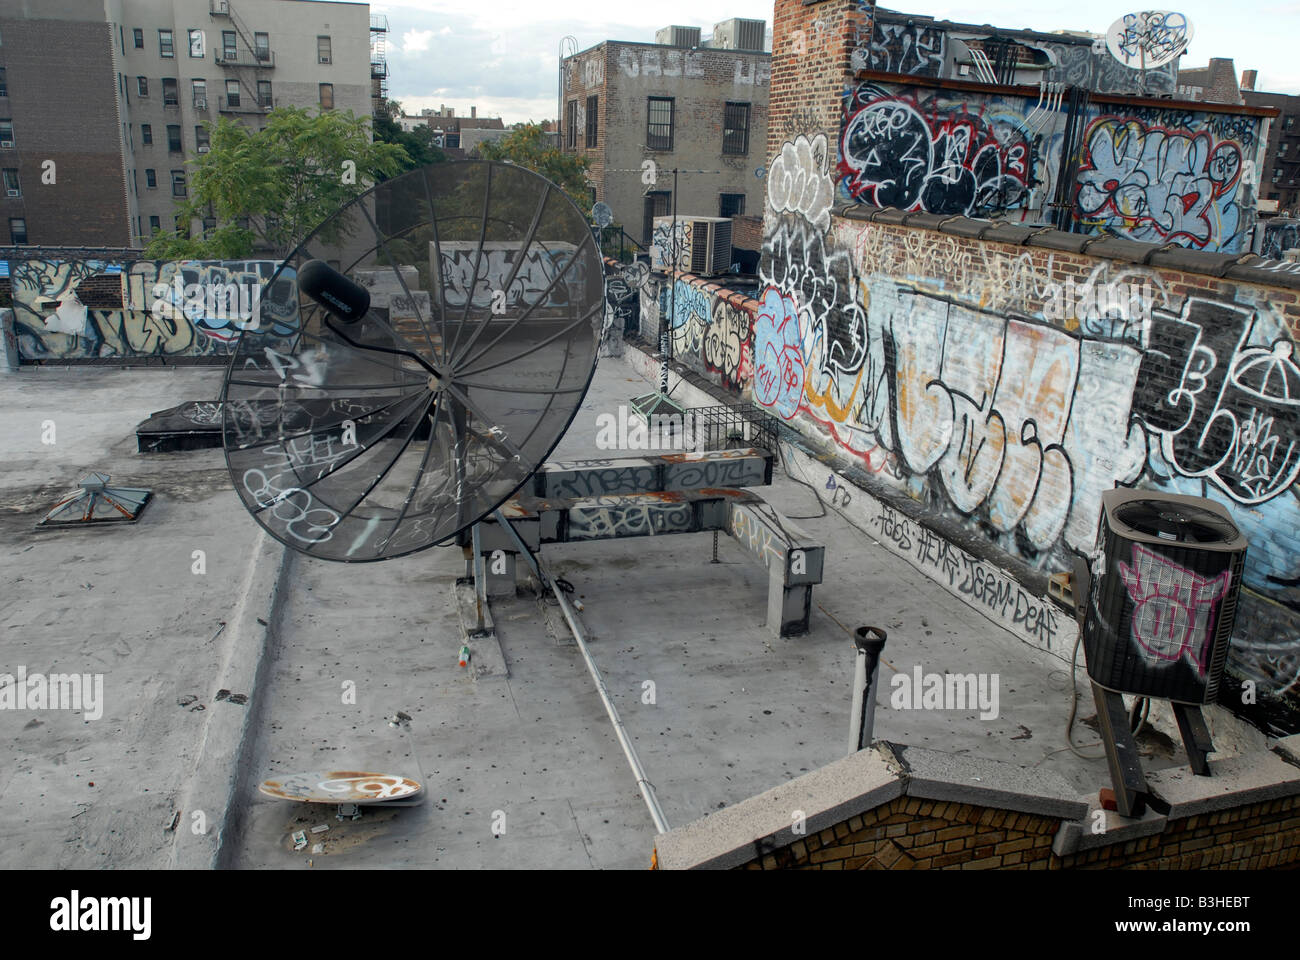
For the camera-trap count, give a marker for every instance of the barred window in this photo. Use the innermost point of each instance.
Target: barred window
(659, 123)
(735, 129)
(593, 114)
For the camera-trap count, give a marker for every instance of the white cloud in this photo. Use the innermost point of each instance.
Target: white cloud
(416, 41)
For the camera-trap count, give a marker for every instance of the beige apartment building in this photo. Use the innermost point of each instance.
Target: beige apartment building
(683, 102)
(117, 92)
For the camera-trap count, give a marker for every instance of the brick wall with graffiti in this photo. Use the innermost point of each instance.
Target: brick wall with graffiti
(1006, 388)
(79, 310)
(1153, 174)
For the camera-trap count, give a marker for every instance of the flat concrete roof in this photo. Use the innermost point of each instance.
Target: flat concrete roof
(522, 770)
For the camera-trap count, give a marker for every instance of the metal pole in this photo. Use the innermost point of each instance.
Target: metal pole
(646, 787)
(870, 641)
(480, 576)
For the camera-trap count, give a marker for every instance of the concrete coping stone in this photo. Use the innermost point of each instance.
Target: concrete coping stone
(1247, 268)
(1076, 836)
(828, 795)
(1253, 269)
(853, 785)
(1288, 748)
(1002, 232)
(1233, 782)
(1051, 239)
(1119, 248)
(956, 778)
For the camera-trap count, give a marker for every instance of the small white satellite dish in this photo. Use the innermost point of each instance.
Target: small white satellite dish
(1148, 39)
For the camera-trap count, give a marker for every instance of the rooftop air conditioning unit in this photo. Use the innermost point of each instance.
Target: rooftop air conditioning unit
(738, 34)
(1163, 595)
(678, 36)
(703, 245)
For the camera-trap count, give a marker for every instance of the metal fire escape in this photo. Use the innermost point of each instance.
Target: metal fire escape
(379, 64)
(245, 64)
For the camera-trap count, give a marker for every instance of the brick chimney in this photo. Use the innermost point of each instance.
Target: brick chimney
(1248, 78)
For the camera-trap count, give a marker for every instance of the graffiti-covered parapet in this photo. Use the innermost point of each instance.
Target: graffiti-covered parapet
(188, 310)
(1159, 172)
(925, 47)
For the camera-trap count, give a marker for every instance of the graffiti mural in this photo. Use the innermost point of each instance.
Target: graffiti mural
(1173, 608)
(1153, 184)
(933, 155)
(1149, 174)
(53, 323)
(1279, 237)
(481, 278)
(912, 48)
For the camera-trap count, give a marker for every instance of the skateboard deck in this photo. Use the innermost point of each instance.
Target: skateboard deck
(343, 786)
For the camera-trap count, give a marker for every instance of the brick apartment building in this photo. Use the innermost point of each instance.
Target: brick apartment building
(116, 93)
(455, 136)
(1279, 176)
(700, 107)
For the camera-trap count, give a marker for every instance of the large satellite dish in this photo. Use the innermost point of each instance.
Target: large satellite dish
(416, 358)
(1148, 39)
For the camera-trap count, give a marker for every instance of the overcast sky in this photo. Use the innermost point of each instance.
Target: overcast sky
(502, 55)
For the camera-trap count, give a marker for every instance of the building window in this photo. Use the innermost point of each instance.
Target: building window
(4, 84)
(6, 134)
(201, 138)
(137, 35)
(1290, 122)
(735, 129)
(146, 134)
(196, 44)
(593, 115)
(12, 188)
(659, 124)
(171, 92)
(262, 46)
(178, 183)
(199, 90)
(571, 125)
(17, 230)
(155, 224)
(658, 203)
(174, 138)
(264, 93)
(323, 49)
(731, 204)
(142, 86)
(232, 93)
(150, 178)
(166, 46)
(327, 96)
(228, 51)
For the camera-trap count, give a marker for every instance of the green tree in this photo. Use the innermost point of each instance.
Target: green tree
(417, 143)
(269, 188)
(529, 147)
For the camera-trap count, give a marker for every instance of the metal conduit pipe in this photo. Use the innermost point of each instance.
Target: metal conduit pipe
(646, 787)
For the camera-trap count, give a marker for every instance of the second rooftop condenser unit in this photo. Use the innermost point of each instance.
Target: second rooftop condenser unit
(1163, 595)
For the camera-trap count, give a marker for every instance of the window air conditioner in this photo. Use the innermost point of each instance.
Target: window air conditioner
(703, 244)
